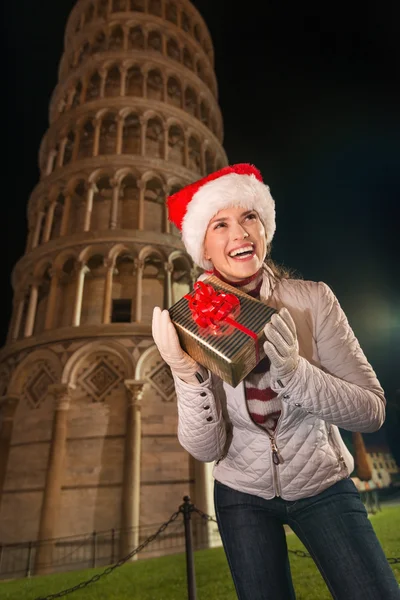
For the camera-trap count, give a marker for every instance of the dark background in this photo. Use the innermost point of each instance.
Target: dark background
(310, 94)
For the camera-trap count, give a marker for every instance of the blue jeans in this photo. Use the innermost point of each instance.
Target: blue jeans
(332, 525)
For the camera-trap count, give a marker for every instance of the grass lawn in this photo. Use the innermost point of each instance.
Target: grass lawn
(165, 578)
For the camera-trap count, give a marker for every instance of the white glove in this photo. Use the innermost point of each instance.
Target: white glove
(168, 345)
(282, 347)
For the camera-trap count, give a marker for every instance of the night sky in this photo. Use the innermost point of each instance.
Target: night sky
(310, 93)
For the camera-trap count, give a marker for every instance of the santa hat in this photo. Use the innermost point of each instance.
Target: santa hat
(192, 208)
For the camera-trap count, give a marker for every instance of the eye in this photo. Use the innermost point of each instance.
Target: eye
(251, 216)
(220, 224)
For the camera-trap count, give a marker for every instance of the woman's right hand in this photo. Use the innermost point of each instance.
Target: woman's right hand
(167, 342)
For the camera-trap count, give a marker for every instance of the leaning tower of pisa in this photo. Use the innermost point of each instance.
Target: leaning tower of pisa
(87, 407)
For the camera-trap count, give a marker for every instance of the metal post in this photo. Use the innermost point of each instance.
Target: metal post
(190, 572)
(29, 561)
(94, 536)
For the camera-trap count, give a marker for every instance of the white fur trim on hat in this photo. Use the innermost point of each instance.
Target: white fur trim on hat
(230, 190)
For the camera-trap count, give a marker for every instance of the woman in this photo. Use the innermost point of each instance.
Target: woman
(279, 455)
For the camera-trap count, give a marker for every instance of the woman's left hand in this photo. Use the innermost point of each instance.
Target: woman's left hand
(281, 347)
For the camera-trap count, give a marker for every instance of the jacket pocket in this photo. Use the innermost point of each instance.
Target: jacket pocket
(332, 442)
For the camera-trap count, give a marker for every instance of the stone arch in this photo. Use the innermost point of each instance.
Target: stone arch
(188, 58)
(155, 137)
(69, 147)
(108, 133)
(155, 85)
(111, 347)
(153, 280)
(174, 91)
(44, 280)
(154, 204)
(77, 191)
(66, 290)
(173, 50)
(176, 144)
(190, 102)
(93, 87)
(102, 200)
(124, 285)
(204, 113)
(194, 154)
(76, 94)
(112, 85)
(93, 288)
(99, 42)
(134, 81)
(128, 204)
(116, 38)
(86, 138)
(31, 378)
(154, 41)
(136, 40)
(131, 134)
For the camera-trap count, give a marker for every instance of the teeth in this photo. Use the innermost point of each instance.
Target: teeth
(240, 250)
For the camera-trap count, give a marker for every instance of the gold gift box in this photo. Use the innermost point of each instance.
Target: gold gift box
(230, 355)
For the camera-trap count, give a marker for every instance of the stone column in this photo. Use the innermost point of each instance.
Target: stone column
(139, 264)
(130, 510)
(169, 269)
(8, 406)
(120, 128)
(202, 497)
(186, 155)
(66, 214)
(167, 224)
(114, 204)
(18, 318)
(61, 152)
(166, 130)
(49, 221)
(96, 141)
(143, 126)
(103, 75)
(109, 264)
(38, 227)
(124, 72)
(80, 280)
(89, 206)
(54, 476)
(30, 317)
(52, 298)
(142, 188)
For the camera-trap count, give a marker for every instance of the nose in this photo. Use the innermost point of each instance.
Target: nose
(239, 232)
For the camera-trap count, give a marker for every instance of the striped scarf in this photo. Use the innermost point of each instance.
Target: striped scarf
(264, 407)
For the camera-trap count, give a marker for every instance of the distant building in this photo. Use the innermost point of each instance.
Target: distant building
(385, 471)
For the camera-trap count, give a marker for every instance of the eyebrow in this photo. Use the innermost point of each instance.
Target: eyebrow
(245, 213)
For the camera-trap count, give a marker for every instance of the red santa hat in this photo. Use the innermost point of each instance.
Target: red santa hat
(192, 208)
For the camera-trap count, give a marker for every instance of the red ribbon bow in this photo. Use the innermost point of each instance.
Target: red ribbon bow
(211, 309)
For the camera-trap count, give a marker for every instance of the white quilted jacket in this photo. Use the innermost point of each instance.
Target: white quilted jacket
(334, 386)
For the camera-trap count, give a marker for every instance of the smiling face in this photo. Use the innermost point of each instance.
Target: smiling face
(235, 243)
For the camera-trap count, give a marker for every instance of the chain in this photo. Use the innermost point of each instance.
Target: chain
(300, 553)
(160, 530)
(110, 569)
